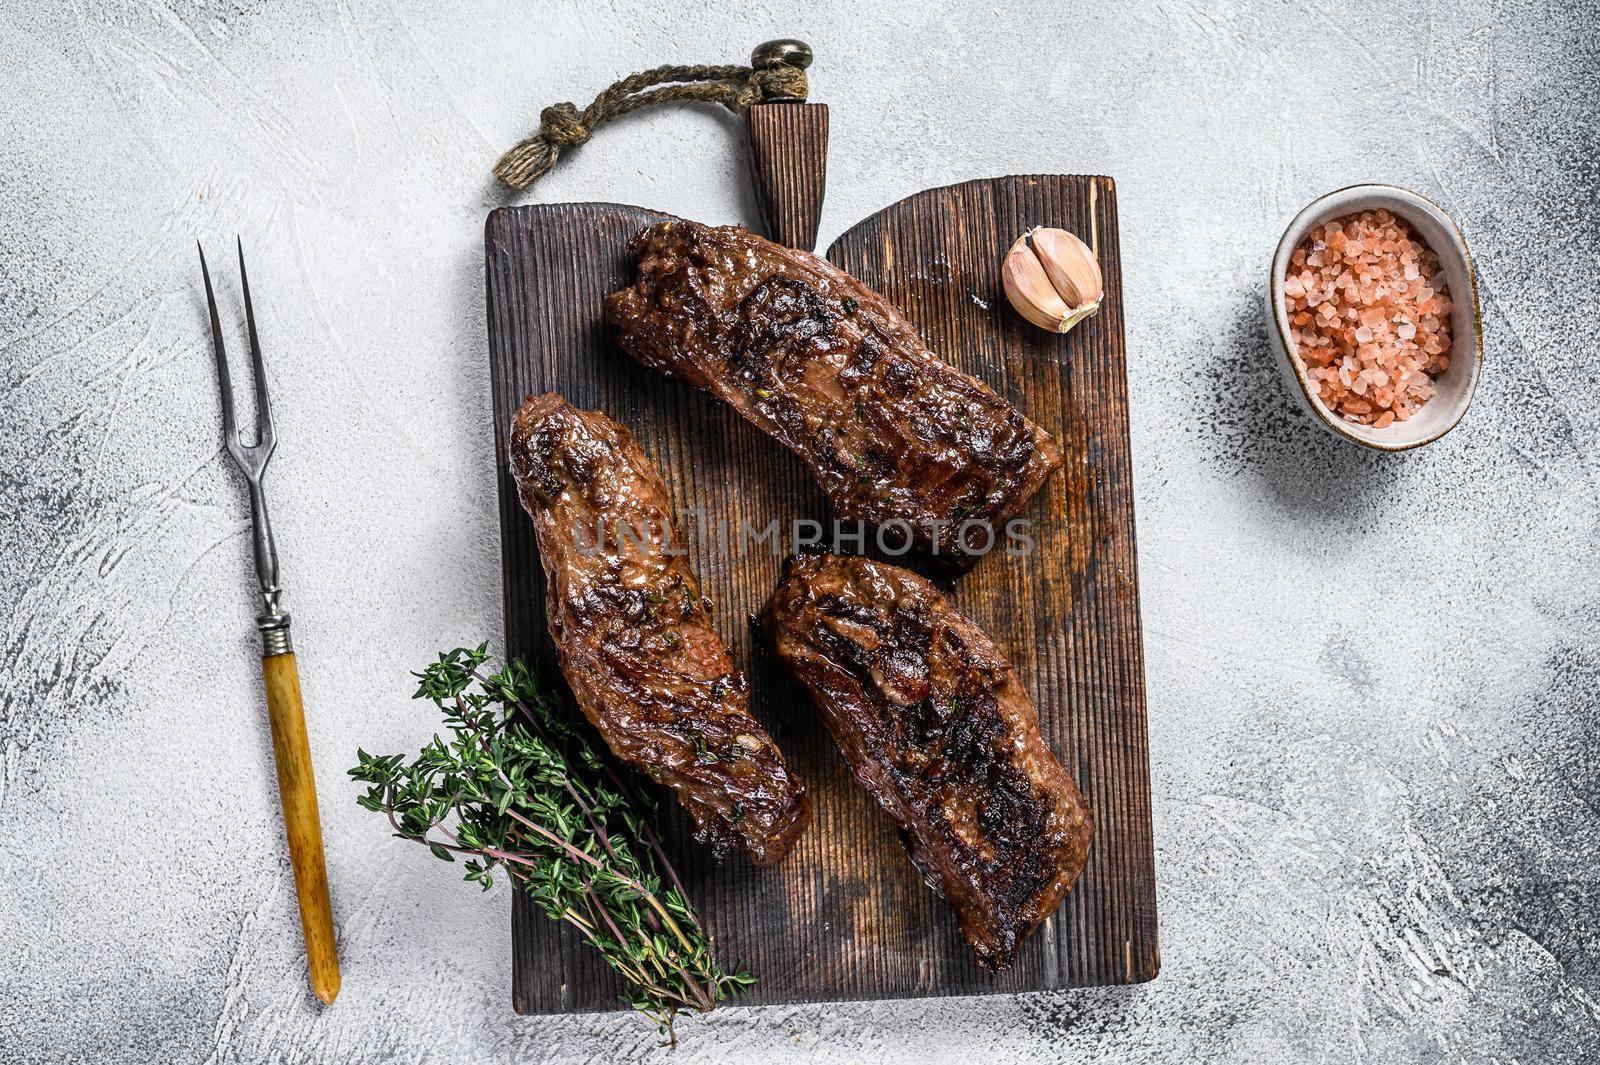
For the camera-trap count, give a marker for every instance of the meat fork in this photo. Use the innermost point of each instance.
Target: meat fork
(290, 750)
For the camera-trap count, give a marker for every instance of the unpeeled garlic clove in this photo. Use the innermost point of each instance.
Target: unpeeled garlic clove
(1052, 279)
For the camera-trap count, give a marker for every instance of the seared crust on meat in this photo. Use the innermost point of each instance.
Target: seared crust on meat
(937, 728)
(825, 365)
(635, 638)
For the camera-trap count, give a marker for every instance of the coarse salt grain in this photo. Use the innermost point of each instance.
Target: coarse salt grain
(1369, 315)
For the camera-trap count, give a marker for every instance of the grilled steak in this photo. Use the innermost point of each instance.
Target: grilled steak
(833, 372)
(634, 636)
(938, 729)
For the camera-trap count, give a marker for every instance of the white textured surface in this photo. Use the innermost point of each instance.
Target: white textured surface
(1372, 679)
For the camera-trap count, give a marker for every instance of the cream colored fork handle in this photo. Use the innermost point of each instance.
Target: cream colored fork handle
(298, 790)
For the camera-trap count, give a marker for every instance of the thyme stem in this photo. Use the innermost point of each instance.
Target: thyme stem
(517, 788)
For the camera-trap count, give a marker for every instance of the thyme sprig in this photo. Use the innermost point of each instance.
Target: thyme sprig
(517, 788)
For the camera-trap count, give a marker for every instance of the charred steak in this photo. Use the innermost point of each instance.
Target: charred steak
(822, 363)
(937, 728)
(634, 636)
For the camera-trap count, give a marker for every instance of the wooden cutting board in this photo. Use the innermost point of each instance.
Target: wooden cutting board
(846, 916)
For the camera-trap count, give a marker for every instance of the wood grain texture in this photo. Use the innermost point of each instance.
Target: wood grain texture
(1068, 615)
(789, 168)
(846, 916)
(297, 789)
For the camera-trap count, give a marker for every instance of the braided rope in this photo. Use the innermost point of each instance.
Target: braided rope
(563, 126)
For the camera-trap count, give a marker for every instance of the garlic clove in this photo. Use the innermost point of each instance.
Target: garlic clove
(1053, 279)
(1029, 289)
(1072, 267)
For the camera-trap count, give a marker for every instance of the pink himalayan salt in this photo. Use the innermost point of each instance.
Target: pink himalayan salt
(1369, 314)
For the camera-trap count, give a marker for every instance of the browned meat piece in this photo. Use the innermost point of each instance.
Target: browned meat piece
(824, 364)
(635, 639)
(937, 728)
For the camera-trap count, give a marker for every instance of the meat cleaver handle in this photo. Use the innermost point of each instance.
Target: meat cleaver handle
(788, 154)
(297, 788)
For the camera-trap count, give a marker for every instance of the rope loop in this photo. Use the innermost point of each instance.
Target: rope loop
(563, 126)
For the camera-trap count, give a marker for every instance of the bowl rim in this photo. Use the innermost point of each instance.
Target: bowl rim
(1280, 315)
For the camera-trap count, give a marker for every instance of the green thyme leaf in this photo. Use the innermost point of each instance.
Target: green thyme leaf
(512, 786)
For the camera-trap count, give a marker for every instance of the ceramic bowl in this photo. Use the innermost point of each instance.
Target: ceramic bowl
(1453, 389)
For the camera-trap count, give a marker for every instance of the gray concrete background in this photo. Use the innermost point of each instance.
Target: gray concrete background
(1372, 679)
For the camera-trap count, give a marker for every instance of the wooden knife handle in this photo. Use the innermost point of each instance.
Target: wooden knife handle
(297, 787)
(789, 168)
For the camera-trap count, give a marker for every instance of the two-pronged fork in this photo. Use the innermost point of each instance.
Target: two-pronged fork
(296, 784)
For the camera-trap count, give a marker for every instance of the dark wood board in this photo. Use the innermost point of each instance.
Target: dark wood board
(846, 916)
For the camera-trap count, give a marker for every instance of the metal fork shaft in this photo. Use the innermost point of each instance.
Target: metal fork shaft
(272, 619)
(252, 461)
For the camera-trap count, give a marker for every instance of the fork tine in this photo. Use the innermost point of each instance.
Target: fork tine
(223, 380)
(264, 433)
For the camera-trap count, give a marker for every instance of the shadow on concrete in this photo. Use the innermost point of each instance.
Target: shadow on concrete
(1255, 425)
